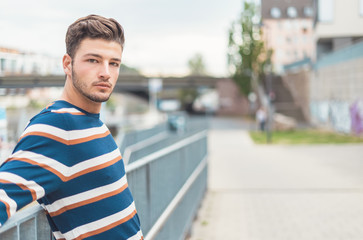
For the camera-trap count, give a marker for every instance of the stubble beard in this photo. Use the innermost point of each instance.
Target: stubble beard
(82, 88)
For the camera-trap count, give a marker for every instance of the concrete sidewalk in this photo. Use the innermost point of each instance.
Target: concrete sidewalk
(261, 192)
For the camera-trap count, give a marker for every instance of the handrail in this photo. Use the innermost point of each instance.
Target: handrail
(152, 157)
(21, 217)
(174, 203)
(142, 144)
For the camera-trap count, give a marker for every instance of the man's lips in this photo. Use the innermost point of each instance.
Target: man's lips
(103, 84)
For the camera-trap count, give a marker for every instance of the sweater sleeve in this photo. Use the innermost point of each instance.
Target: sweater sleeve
(28, 174)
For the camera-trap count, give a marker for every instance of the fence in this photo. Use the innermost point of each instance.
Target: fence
(168, 185)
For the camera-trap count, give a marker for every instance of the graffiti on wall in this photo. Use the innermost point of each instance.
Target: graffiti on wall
(356, 114)
(342, 116)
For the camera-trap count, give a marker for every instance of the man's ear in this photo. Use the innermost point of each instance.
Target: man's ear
(67, 65)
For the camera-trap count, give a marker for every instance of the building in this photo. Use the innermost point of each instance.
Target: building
(287, 27)
(336, 85)
(15, 62)
(338, 24)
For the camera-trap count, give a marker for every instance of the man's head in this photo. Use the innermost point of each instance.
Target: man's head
(93, 27)
(94, 50)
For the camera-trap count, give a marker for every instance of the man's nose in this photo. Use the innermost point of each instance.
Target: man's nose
(104, 72)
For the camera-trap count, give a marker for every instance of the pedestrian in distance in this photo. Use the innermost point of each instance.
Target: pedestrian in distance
(261, 118)
(66, 159)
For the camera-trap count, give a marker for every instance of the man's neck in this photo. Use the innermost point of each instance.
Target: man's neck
(77, 99)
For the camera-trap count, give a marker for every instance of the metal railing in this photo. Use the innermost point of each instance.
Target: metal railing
(167, 184)
(28, 224)
(135, 137)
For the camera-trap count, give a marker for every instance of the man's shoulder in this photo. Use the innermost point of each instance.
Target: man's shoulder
(57, 115)
(47, 117)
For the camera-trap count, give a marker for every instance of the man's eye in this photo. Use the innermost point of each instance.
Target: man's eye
(92, 60)
(115, 64)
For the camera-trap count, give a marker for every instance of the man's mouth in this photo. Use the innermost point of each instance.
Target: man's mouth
(103, 85)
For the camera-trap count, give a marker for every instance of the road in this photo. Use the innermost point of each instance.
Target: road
(276, 192)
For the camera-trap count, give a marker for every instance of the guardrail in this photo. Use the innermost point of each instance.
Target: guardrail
(168, 186)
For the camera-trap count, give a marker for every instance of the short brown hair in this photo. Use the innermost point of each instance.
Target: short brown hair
(94, 27)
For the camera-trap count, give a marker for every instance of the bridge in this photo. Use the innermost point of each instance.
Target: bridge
(131, 83)
(126, 82)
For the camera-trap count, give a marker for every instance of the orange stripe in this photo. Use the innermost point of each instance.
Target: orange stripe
(90, 138)
(73, 113)
(66, 142)
(101, 230)
(95, 168)
(47, 135)
(32, 162)
(60, 175)
(85, 202)
(50, 104)
(22, 186)
(7, 208)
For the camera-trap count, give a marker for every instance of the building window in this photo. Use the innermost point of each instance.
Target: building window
(291, 12)
(275, 12)
(361, 8)
(326, 10)
(2, 64)
(308, 12)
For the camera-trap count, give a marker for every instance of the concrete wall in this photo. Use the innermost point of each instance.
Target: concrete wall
(298, 82)
(231, 102)
(336, 84)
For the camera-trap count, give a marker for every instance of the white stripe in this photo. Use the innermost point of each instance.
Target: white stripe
(68, 110)
(63, 134)
(86, 195)
(13, 178)
(58, 235)
(137, 236)
(93, 226)
(63, 169)
(5, 198)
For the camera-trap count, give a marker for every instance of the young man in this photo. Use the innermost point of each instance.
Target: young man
(66, 159)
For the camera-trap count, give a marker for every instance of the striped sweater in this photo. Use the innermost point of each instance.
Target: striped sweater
(67, 160)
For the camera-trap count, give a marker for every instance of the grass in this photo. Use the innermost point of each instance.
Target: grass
(304, 137)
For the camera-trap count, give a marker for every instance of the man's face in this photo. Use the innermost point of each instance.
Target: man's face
(95, 68)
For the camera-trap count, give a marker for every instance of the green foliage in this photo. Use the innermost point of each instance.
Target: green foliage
(304, 137)
(196, 65)
(128, 70)
(111, 104)
(187, 96)
(247, 56)
(34, 104)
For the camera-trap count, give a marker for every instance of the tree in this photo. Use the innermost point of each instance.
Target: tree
(128, 70)
(247, 55)
(196, 65)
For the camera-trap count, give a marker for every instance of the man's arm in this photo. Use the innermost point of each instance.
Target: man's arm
(27, 175)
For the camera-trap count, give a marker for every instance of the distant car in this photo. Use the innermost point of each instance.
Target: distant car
(177, 121)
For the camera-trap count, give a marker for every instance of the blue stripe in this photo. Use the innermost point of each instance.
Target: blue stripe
(88, 213)
(120, 232)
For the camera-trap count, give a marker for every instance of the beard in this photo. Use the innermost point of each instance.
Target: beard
(82, 88)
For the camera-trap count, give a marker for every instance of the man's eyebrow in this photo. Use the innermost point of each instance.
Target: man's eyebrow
(99, 56)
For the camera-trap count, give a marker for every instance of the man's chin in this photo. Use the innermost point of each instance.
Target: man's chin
(99, 99)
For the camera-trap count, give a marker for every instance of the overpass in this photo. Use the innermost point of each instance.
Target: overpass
(139, 85)
(126, 82)
(132, 83)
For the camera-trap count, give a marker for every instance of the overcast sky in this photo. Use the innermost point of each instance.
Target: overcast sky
(161, 35)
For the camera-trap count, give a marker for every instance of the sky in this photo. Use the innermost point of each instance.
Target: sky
(161, 35)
